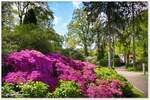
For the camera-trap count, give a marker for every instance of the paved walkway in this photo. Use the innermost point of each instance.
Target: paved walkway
(137, 79)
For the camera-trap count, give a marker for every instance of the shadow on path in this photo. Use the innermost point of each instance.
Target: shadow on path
(137, 79)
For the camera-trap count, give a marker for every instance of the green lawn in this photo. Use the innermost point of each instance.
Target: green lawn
(137, 93)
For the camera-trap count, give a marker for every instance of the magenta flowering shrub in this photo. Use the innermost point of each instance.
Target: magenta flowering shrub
(35, 66)
(105, 88)
(16, 77)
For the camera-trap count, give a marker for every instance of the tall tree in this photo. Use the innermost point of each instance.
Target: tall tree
(81, 27)
(113, 15)
(130, 11)
(7, 17)
(42, 12)
(97, 19)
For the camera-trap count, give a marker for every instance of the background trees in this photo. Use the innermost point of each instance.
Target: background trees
(115, 28)
(80, 27)
(30, 27)
(107, 31)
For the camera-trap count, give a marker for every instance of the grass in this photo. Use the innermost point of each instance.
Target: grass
(137, 93)
(130, 69)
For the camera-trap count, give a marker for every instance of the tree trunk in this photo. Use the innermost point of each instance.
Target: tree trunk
(20, 20)
(113, 51)
(86, 50)
(109, 51)
(128, 53)
(98, 47)
(125, 54)
(133, 51)
(133, 35)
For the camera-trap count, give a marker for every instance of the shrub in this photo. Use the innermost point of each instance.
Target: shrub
(92, 60)
(31, 36)
(8, 90)
(110, 74)
(103, 62)
(138, 67)
(104, 88)
(9, 43)
(34, 89)
(66, 89)
(117, 61)
(132, 69)
(73, 54)
(35, 66)
(30, 65)
(29, 89)
(105, 73)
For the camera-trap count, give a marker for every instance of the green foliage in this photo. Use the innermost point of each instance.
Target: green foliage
(79, 32)
(137, 93)
(117, 62)
(30, 89)
(34, 89)
(7, 16)
(8, 41)
(136, 68)
(131, 69)
(10, 91)
(31, 36)
(66, 89)
(75, 54)
(103, 62)
(110, 74)
(92, 59)
(105, 73)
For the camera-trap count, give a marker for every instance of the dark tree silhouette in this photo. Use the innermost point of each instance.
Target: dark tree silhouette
(30, 17)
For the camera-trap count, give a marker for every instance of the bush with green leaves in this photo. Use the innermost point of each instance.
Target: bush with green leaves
(132, 69)
(30, 89)
(66, 89)
(31, 36)
(8, 41)
(34, 89)
(117, 61)
(10, 90)
(92, 59)
(105, 73)
(73, 54)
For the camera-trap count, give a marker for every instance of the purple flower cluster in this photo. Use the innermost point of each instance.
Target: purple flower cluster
(105, 89)
(35, 66)
(30, 65)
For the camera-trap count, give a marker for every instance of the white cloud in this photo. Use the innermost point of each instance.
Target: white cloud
(53, 9)
(76, 4)
(65, 24)
(56, 19)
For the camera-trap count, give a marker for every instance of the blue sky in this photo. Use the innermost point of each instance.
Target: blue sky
(63, 14)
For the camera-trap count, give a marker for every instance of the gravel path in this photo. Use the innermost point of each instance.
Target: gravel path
(137, 79)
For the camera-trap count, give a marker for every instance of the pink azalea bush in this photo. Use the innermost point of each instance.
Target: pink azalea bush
(105, 88)
(35, 66)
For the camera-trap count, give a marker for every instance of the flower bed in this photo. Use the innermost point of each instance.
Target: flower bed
(49, 69)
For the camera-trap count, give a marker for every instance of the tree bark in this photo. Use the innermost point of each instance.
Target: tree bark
(86, 50)
(98, 47)
(20, 20)
(128, 53)
(133, 36)
(113, 51)
(109, 51)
